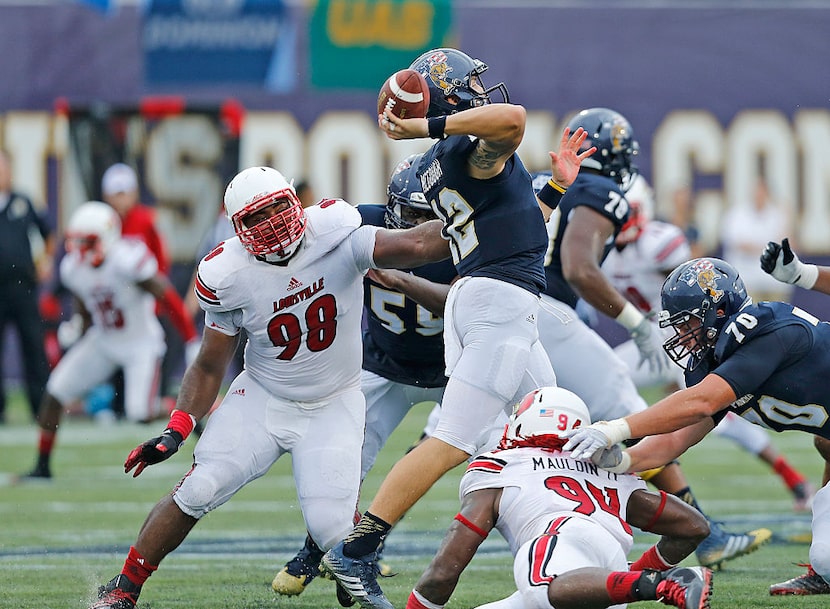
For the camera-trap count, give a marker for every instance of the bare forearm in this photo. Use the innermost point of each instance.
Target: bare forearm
(593, 287)
(199, 390)
(493, 122)
(426, 293)
(823, 282)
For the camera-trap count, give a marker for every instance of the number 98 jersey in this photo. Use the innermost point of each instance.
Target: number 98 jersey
(303, 318)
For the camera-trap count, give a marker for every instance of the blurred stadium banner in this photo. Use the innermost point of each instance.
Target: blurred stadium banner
(101, 5)
(357, 44)
(219, 41)
(184, 155)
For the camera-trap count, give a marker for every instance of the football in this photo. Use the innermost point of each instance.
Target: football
(406, 95)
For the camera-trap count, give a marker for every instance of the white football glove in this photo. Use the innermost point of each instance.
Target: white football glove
(649, 345)
(614, 459)
(779, 260)
(584, 442)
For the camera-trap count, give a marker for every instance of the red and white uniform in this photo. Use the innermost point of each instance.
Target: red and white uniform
(638, 272)
(557, 514)
(125, 332)
(300, 389)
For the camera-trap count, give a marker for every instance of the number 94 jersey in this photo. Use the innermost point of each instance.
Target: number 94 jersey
(542, 486)
(302, 319)
(776, 358)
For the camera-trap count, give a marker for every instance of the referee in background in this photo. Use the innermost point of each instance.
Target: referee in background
(23, 234)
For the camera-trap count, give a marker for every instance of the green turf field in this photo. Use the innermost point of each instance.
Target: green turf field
(60, 540)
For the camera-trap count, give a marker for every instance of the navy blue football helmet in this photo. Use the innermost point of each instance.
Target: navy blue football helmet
(454, 80)
(613, 136)
(707, 289)
(406, 203)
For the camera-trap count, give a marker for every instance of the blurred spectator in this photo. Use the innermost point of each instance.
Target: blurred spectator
(747, 227)
(683, 217)
(119, 187)
(26, 249)
(306, 193)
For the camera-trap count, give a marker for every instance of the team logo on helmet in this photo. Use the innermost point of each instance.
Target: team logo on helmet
(438, 70)
(705, 275)
(619, 134)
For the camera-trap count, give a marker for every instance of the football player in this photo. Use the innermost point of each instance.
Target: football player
(765, 362)
(779, 260)
(582, 233)
(403, 348)
(646, 251)
(293, 279)
(116, 283)
(567, 522)
(477, 185)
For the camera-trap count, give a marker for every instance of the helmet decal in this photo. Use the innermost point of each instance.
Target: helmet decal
(705, 275)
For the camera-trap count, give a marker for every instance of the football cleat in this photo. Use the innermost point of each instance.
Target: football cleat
(721, 546)
(300, 571)
(803, 493)
(357, 576)
(342, 596)
(119, 593)
(40, 473)
(686, 587)
(809, 583)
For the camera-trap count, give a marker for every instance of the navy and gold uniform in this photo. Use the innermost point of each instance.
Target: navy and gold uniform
(774, 356)
(495, 227)
(601, 194)
(403, 341)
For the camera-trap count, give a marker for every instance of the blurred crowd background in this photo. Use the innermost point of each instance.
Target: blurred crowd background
(730, 105)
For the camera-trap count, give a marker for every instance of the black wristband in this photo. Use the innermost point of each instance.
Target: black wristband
(551, 195)
(435, 127)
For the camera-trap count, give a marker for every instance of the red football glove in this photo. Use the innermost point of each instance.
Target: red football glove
(153, 451)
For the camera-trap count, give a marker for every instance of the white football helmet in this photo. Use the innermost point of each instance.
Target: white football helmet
(92, 230)
(277, 237)
(542, 413)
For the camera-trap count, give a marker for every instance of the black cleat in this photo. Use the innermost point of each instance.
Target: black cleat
(119, 593)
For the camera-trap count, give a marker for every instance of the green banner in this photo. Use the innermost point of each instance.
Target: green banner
(357, 44)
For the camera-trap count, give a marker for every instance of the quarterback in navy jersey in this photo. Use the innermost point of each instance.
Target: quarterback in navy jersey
(767, 362)
(494, 224)
(479, 188)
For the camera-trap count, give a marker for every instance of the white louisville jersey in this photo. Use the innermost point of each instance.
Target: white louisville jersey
(541, 487)
(302, 318)
(120, 309)
(638, 271)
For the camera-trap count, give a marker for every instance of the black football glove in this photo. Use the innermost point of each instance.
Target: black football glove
(153, 451)
(781, 262)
